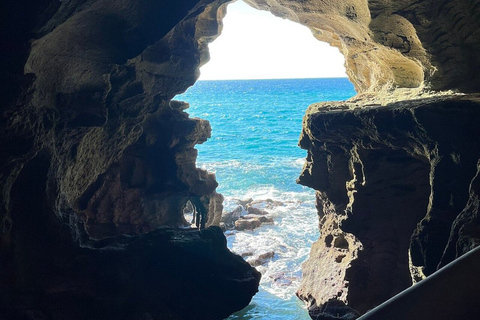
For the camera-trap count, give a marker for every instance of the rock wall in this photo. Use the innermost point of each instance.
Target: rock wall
(397, 197)
(94, 152)
(395, 43)
(98, 162)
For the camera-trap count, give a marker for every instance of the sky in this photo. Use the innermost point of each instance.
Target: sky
(255, 44)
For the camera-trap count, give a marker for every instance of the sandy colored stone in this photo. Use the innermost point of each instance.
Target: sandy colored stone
(261, 259)
(256, 211)
(247, 224)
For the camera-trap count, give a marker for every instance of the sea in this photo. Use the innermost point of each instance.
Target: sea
(254, 153)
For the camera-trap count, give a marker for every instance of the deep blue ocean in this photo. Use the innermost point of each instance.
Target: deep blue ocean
(253, 151)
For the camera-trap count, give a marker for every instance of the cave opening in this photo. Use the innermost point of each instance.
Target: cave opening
(189, 212)
(254, 91)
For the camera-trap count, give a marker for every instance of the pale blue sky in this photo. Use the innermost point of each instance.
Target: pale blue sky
(255, 44)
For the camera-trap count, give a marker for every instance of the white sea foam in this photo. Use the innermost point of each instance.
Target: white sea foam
(212, 166)
(298, 162)
(290, 237)
(254, 153)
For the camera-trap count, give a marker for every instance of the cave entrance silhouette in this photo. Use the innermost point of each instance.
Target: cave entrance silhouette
(268, 219)
(268, 47)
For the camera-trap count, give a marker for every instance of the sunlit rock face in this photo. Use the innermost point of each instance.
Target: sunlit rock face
(98, 162)
(395, 43)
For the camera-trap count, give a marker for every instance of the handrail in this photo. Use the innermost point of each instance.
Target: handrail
(451, 293)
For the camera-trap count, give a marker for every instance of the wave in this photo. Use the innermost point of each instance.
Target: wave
(287, 241)
(256, 164)
(298, 162)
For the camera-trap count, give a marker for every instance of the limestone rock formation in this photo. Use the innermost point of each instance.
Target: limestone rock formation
(395, 185)
(395, 43)
(97, 162)
(96, 157)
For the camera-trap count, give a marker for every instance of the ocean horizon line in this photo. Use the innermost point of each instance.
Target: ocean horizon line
(263, 79)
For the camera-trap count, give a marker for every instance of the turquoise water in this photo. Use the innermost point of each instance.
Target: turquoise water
(253, 151)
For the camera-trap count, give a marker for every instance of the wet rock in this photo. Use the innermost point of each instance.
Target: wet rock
(247, 224)
(281, 280)
(229, 218)
(245, 202)
(256, 211)
(247, 254)
(229, 233)
(264, 204)
(261, 259)
(263, 219)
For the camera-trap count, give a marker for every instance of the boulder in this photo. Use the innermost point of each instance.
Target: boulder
(247, 224)
(229, 218)
(256, 211)
(261, 258)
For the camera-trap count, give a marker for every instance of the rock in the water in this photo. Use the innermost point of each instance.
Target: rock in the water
(262, 218)
(229, 218)
(280, 279)
(256, 211)
(247, 224)
(245, 202)
(261, 258)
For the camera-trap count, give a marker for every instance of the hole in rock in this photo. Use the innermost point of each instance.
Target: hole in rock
(189, 212)
(340, 242)
(262, 75)
(328, 240)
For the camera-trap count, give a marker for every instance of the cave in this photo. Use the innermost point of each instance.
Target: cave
(98, 163)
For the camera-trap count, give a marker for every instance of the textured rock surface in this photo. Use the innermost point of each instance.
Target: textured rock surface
(93, 147)
(395, 43)
(165, 274)
(391, 181)
(121, 154)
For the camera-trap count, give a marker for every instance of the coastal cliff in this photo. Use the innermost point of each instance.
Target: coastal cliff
(97, 162)
(396, 193)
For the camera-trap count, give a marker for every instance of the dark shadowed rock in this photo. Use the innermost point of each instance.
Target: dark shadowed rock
(229, 218)
(333, 310)
(168, 274)
(395, 183)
